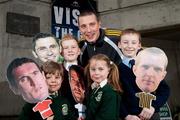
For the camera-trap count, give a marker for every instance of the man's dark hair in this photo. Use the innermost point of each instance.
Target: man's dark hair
(41, 35)
(14, 64)
(89, 12)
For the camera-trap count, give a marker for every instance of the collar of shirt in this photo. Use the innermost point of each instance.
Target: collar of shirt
(126, 61)
(94, 85)
(103, 83)
(67, 65)
(54, 94)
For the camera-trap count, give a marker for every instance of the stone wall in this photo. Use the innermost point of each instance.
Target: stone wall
(16, 45)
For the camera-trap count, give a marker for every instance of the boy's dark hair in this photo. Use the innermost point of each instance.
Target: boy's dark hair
(131, 31)
(41, 35)
(14, 64)
(89, 12)
(51, 67)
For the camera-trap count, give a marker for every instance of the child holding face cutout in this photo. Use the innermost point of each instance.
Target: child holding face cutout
(145, 91)
(54, 77)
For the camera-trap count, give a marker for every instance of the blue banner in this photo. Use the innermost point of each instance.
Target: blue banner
(65, 15)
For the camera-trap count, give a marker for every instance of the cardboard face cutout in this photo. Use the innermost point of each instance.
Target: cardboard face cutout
(27, 80)
(76, 82)
(149, 70)
(47, 49)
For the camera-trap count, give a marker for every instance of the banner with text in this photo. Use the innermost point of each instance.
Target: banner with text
(65, 15)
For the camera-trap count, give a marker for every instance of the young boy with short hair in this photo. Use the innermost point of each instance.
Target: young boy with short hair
(54, 74)
(70, 51)
(130, 44)
(145, 82)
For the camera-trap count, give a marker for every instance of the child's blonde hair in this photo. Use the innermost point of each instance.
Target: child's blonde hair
(113, 77)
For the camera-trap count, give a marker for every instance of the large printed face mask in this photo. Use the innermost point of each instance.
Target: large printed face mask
(31, 82)
(149, 72)
(47, 49)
